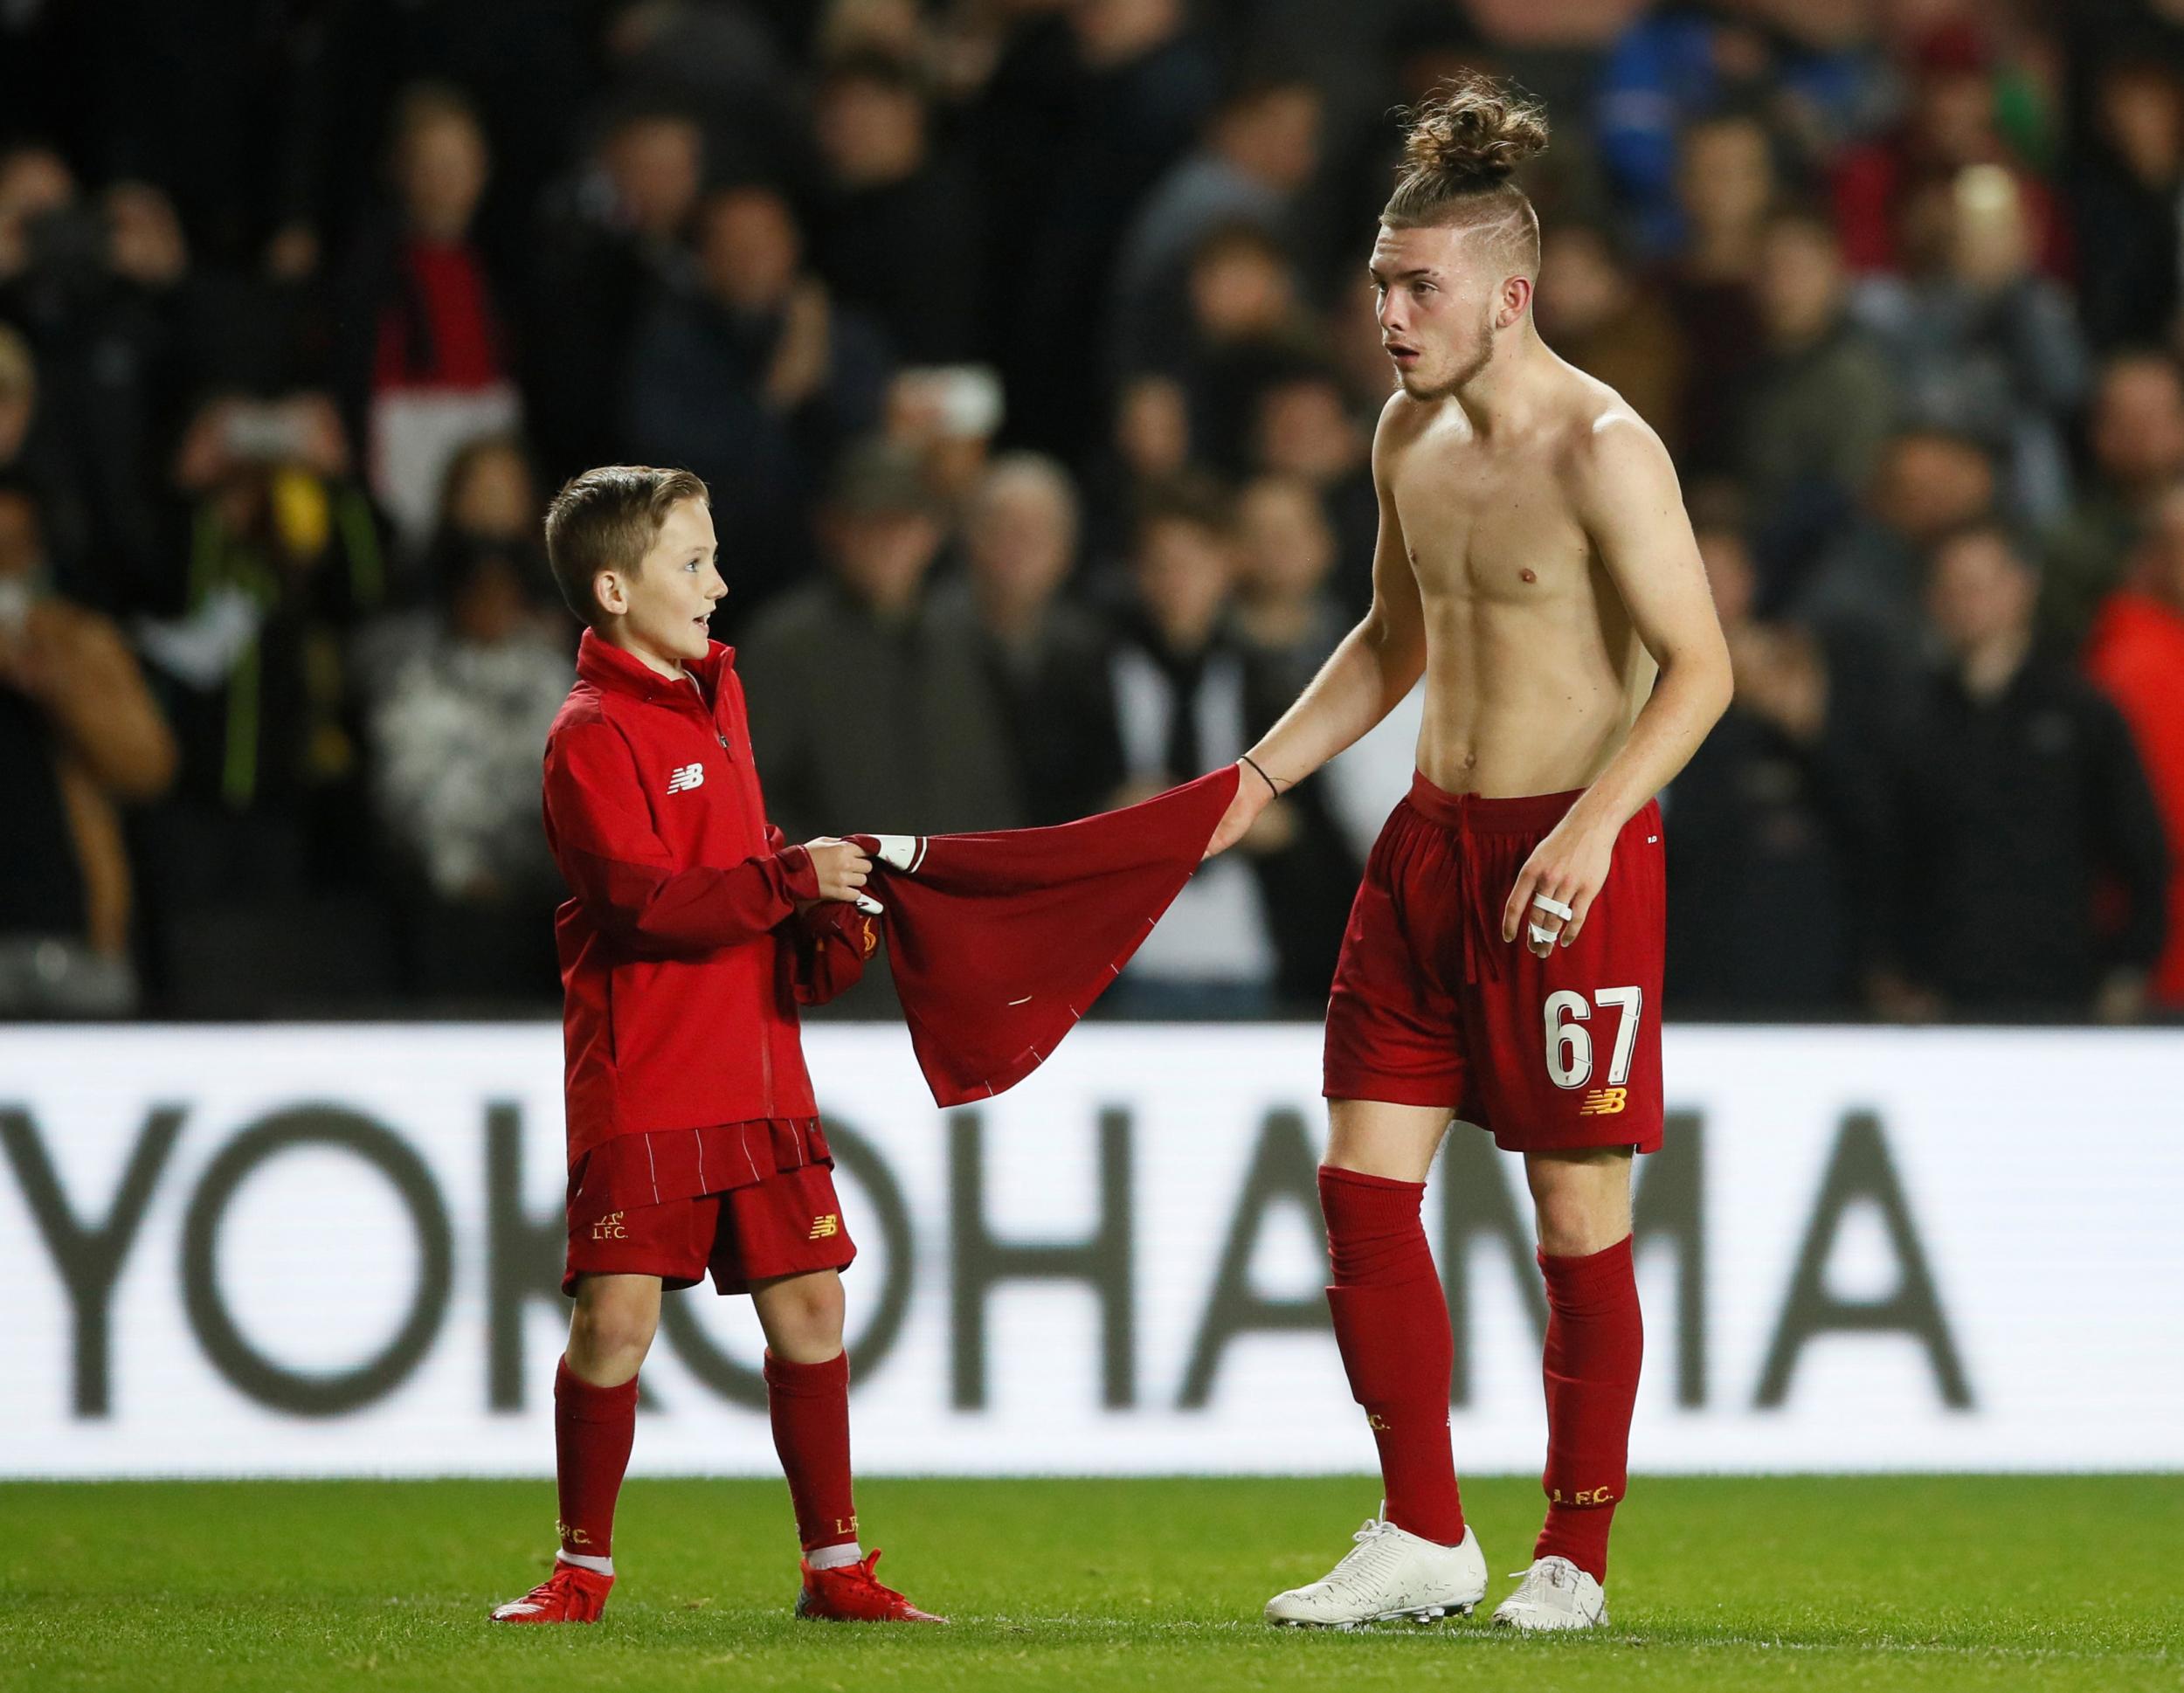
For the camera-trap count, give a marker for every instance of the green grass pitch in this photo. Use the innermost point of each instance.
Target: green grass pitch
(1869, 1583)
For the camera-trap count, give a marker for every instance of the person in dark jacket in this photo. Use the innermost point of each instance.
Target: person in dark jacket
(1773, 822)
(2032, 872)
(868, 709)
(899, 236)
(612, 242)
(754, 382)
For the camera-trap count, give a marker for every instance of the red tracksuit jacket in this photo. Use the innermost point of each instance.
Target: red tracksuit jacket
(677, 964)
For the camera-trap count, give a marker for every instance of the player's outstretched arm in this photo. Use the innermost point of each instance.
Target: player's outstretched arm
(1624, 493)
(1376, 665)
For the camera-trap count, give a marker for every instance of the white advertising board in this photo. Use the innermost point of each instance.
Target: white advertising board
(335, 1250)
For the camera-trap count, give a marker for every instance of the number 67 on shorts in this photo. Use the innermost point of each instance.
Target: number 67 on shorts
(1431, 1006)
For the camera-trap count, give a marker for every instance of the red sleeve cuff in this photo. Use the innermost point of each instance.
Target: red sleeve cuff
(798, 873)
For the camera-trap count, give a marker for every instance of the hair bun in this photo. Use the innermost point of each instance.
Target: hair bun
(1471, 133)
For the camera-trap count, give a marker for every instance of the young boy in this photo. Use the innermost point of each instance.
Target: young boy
(693, 1141)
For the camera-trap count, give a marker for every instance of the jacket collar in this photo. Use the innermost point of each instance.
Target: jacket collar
(607, 666)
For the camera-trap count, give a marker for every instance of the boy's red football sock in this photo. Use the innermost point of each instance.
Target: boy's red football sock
(809, 1403)
(1595, 1338)
(593, 1428)
(1392, 1325)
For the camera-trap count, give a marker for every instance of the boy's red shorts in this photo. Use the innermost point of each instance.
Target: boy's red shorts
(1432, 1007)
(781, 1217)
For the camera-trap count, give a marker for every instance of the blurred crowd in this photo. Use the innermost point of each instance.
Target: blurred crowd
(1026, 348)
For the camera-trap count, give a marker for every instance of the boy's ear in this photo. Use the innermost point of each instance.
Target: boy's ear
(610, 594)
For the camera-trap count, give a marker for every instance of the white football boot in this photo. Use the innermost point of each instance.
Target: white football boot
(1554, 1594)
(1389, 1573)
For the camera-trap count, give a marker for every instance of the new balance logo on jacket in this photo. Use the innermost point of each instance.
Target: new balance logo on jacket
(683, 777)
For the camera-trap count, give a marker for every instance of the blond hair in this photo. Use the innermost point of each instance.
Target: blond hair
(1462, 149)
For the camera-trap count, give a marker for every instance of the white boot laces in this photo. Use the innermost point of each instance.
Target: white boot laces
(1557, 1573)
(1375, 1547)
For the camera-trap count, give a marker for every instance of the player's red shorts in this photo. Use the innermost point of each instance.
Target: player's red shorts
(1431, 1006)
(768, 1207)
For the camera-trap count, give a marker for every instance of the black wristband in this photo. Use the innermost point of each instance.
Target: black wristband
(1263, 777)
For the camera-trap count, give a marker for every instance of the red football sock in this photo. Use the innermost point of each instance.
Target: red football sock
(1595, 1338)
(592, 1430)
(809, 1403)
(1392, 1325)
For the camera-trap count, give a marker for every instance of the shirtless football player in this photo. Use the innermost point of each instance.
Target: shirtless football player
(1503, 961)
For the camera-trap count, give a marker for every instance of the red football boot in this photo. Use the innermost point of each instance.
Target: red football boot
(570, 1594)
(852, 1594)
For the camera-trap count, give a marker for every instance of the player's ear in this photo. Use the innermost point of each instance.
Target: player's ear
(1516, 300)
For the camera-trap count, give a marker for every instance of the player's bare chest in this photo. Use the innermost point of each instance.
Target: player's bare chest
(1489, 526)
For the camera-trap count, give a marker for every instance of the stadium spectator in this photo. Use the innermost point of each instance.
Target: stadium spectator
(1595, 312)
(1822, 403)
(729, 62)
(899, 229)
(1950, 124)
(30, 450)
(455, 730)
(1183, 706)
(1305, 430)
(102, 288)
(2018, 795)
(2128, 198)
(869, 710)
(1871, 580)
(1353, 342)
(1286, 611)
(613, 241)
(1258, 156)
(490, 494)
(425, 363)
(36, 187)
(79, 736)
(1288, 621)
(1087, 109)
(1046, 656)
(2135, 443)
(1246, 326)
(754, 382)
(1775, 823)
(948, 415)
(1725, 186)
(489, 499)
(1681, 63)
(2137, 657)
(285, 562)
(1149, 444)
(1978, 341)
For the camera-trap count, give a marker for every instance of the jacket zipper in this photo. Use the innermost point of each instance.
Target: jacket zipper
(765, 1032)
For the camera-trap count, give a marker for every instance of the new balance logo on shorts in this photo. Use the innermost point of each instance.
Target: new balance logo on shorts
(684, 777)
(1603, 1102)
(826, 1227)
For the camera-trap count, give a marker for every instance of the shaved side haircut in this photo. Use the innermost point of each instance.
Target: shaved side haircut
(1464, 144)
